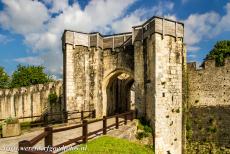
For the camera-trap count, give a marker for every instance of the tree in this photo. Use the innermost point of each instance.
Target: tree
(220, 51)
(29, 75)
(4, 78)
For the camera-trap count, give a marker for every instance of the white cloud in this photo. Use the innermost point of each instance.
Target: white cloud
(5, 39)
(140, 15)
(205, 26)
(223, 24)
(193, 56)
(184, 1)
(23, 16)
(125, 24)
(193, 48)
(42, 31)
(57, 6)
(198, 26)
(30, 60)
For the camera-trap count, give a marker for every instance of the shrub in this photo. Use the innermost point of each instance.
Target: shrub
(220, 51)
(52, 98)
(141, 135)
(140, 126)
(147, 129)
(11, 120)
(25, 125)
(29, 75)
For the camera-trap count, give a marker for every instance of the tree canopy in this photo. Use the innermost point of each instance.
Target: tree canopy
(4, 78)
(220, 51)
(29, 75)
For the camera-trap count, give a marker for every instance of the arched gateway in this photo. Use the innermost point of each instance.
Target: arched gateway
(139, 70)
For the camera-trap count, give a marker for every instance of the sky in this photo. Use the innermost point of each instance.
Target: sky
(30, 31)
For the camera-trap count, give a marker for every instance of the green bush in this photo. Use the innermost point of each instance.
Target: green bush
(25, 125)
(141, 135)
(29, 75)
(147, 129)
(140, 126)
(52, 98)
(220, 51)
(11, 120)
(4, 79)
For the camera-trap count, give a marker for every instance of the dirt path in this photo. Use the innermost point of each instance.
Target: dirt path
(10, 145)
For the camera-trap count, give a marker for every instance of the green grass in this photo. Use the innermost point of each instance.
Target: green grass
(111, 145)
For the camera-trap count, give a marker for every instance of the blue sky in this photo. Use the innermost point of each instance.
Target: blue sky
(30, 31)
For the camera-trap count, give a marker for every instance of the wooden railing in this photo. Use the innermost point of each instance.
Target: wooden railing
(26, 147)
(44, 119)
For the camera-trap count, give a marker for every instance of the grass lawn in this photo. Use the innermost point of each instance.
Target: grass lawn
(111, 145)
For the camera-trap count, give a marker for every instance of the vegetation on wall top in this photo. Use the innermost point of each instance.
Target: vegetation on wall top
(24, 76)
(4, 78)
(52, 98)
(220, 51)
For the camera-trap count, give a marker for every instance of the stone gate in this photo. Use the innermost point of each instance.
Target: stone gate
(139, 70)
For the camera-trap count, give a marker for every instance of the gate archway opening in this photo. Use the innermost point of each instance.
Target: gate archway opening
(118, 93)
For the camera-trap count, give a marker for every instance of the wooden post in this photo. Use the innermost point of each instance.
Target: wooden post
(125, 119)
(117, 122)
(131, 116)
(22, 145)
(46, 119)
(49, 137)
(94, 113)
(104, 125)
(82, 115)
(85, 131)
(65, 116)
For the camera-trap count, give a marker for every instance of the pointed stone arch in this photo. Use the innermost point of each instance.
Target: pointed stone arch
(108, 80)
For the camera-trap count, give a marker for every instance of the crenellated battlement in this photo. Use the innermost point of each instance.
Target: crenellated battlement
(30, 89)
(159, 25)
(155, 24)
(28, 101)
(95, 39)
(208, 64)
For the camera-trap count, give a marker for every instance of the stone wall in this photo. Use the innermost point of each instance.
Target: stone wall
(152, 57)
(83, 78)
(159, 59)
(90, 62)
(28, 101)
(209, 105)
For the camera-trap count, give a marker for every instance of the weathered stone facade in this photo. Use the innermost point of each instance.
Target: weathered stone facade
(209, 107)
(100, 71)
(27, 101)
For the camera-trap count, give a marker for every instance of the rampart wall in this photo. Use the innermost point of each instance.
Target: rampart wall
(28, 101)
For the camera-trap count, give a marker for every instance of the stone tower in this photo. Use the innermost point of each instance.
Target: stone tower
(100, 71)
